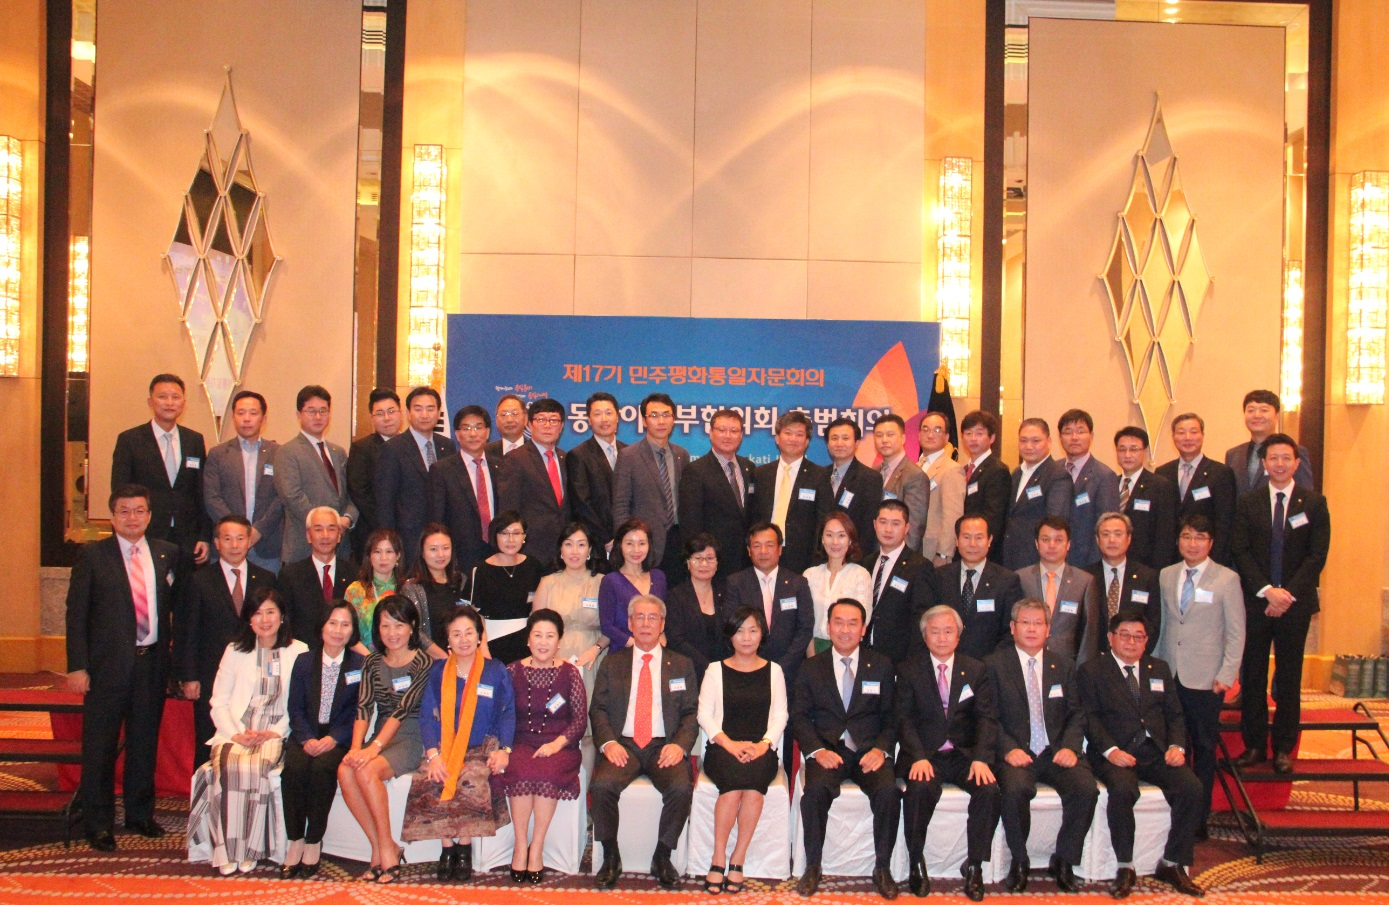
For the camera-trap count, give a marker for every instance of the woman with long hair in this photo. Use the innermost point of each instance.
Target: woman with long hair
(572, 592)
(435, 587)
(838, 576)
(380, 574)
(632, 575)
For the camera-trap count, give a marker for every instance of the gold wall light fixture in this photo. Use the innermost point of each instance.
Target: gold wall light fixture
(954, 247)
(11, 247)
(1369, 288)
(79, 297)
(1290, 382)
(428, 202)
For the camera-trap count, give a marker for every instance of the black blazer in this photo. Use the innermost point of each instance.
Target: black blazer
(1138, 590)
(986, 624)
(613, 687)
(361, 486)
(1211, 493)
(452, 502)
(893, 623)
(525, 488)
(590, 489)
(306, 694)
(864, 489)
(818, 718)
(1155, 529)
(923, 725)
(986, 494)
(802, 514)
(1049, 491)
(708, 503)
(300, 583)
(1061, 708)
(685, 625)
(176, 513)
(1305, 546)
(206, 621)
(399, 481)
(101, 610)
(1114, 720)
(793, 614)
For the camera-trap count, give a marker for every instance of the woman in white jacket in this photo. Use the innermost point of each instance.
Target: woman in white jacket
(234, 817)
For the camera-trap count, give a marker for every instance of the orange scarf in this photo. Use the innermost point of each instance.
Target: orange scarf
(453, 740)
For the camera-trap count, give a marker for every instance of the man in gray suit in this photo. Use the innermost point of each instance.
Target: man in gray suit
(1096, 485)
(1202, 640)
(309, 472)
(239, 479)
(646, 485)
(1069, 592)
(1261, 409)
(902, 479)
(946, 480)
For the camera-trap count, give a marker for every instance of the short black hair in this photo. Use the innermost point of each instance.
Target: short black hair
(1054, 522)
(795, 417)
(545, 614)
(662, 398)
(890, 418)
(245, 640)
(701, 542)
(1267, 397)
(972, 516)
(847, 601)
(727, 413)
(417, 392)
(895, 505)
(157, 379)
(844, 422)
(381, 394)
(312, 391)
(466, 611)
(1127, 614)
(600, 397)
(475, 411)
(503, 520)
(1198, 523)
(1070, 416)
(519, 401)
(1279, 439)
(980, 418)
(250, 394)
(541, 406)
(401, 609)
(742, 614)
(1035, 422)
(759, 527)
(1137, 433)
(239, 520)
(129, 492)
(571, 529)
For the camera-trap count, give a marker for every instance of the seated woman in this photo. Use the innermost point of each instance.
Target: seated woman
(393, 680)
(631, 558)
(551, 715)
(742, 707)
(502, 588)
(692, 611)
(322, 707)
(380, 575)
(467, 720)
(233, 815)
(838, 576)
(435, 588)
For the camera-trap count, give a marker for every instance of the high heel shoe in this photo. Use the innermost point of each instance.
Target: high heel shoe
(519, 876)
(535, 877)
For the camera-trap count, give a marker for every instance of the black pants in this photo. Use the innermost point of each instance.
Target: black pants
(1179, 786)
(1201, 710)
(923, 796)
(608, 783)
(673, 557)
(822, 788)
(1075, 785)
(308, 785)
(1287, 635)
(139, 708)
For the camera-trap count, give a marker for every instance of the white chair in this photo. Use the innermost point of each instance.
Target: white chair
(769, 856)
(638, 829)
(1152, 819)
(345, 839)
(848, 836)
(564, 843)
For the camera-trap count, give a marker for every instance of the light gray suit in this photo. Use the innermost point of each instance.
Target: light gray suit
(224, 492)
(1205, 645)
(908, 483)
(637, 490)
(1076, 621)
(302, 482)
(946, 479)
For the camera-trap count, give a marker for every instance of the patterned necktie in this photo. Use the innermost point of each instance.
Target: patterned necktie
(610, 453)
(1188, 590)
(967, 592)
(238, 593)
(552, 467)
(327, 584)
(1275, 553)
(1051, 592)
(328, 464)
(1071, 469)
(484, 505)
(666, 494)
(430, 454)
(943, 686)
(878, 578)
(838, 476)
(139, 592)
(783, 498)
(733, 482)
(641, 723)
(1124, 488)
(1036, 717)
(170, 460)
(1187, 469)
(1133, 682)
(1113, 592)
(325, 692)
(969, 472)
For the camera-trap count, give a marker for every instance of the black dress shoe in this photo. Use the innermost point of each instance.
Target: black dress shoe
(918, 881)
(974, 881)
(441, 873)
(1017, 876)
(1174, 875)
(607, 875)
(461, 867)
(535, 876)
(1061, 871)
(289, 871)
(308, 871)
(884, 884)
(1251, 756)
(1123, 883)
(102, 841)
(1282, 763)
(661, 868)
(147, 828)
(809, 882)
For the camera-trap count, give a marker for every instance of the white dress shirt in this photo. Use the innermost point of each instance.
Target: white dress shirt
(151, 590)
(885, 569)
(1027, 471)
(242, 567)
(421, 441)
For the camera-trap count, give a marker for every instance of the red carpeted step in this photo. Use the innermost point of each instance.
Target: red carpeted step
(1314, 770)
(1342, 823)
(34, 802)
(40, 699)
(46, 750)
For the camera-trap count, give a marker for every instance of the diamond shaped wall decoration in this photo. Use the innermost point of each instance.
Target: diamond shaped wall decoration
(221, 257)
(1155, 278)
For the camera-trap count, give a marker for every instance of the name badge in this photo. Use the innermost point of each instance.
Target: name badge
(555, 703)
(751, 488)
(1204, 596)
(871, 687)
(845, 498)
(1155, 685)
(400, 684)
(1201, 493)
(677, 684)
(192, 462)
(274, 667)
(1139, 597)
(590, 603)
(1083, 499)
(1070, 606)
(898, 583)
(530, 598)
(889, 495)
(1034, 493)
(806, 494)
(984, 606)
(1298, 520)
(788, 603)
(966, 693)
(1055, 692)
(484, 691)
(352, 677)
(268, 471)
(1142, 505)
(973, 488)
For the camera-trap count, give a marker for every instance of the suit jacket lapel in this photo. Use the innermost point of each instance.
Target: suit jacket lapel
(153, 449)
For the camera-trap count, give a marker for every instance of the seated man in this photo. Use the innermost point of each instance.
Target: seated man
(639, 730)
(1136, 732)
(842, 716)
(948, 729)
(1041, 733)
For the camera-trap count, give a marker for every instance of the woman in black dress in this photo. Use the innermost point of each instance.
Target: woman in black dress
(742, 708)
(503, 589)
(692, 607)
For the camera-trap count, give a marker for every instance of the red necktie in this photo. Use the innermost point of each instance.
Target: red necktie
(139, 592)
(553, 468)
(328, 464)
(641, 723)
(327, 585)
(484, 508)
(969, 472)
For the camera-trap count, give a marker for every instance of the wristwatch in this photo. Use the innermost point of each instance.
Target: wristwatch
(507, 750)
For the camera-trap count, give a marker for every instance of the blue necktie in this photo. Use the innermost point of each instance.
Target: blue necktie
(1275, 553)
(1188, 590)
(1037, 717)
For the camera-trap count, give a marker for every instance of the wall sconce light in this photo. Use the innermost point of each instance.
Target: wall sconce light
(11, 247)
(1290, 387)
(1369, 288)
(953, 249)
(428, 201)
(79, 294)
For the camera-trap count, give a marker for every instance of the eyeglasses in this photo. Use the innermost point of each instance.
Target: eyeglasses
(705, 559)
(933, 430)
(378, 413)
(1131, 637)
(513, 532)
(139, 512)
(549, 421)
(659, 416)
(647, 617)
(317, 412)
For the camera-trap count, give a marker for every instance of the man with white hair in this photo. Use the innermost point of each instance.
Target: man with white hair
(308, 585)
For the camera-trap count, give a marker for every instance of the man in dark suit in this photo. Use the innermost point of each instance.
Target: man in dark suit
(1204, 486)
(1124, 583)
(848, 484)
(1041, 488)
(532, 482)
(208, 618)
(986, 477)
(786, 492)
(714, 492)
(1261, 409)
(308, 585)
(843, 717)
(982, 592)
(948, 730)
(310, 472)
(1096, 485)
(167, 458)
(636, 737)
(1150, 501)
(511, 424)
(895, 568)
(462, 489)
(118, 628)
(402, 470)
(1281, 538)
(591, 465)
(780, 593)
(1070, 594)
(384, 406)
(1136, 731)
(239, 479)
(646, 485)
(1041, 736)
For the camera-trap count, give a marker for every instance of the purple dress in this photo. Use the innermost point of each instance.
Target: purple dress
(615, 591)
(549, 703)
